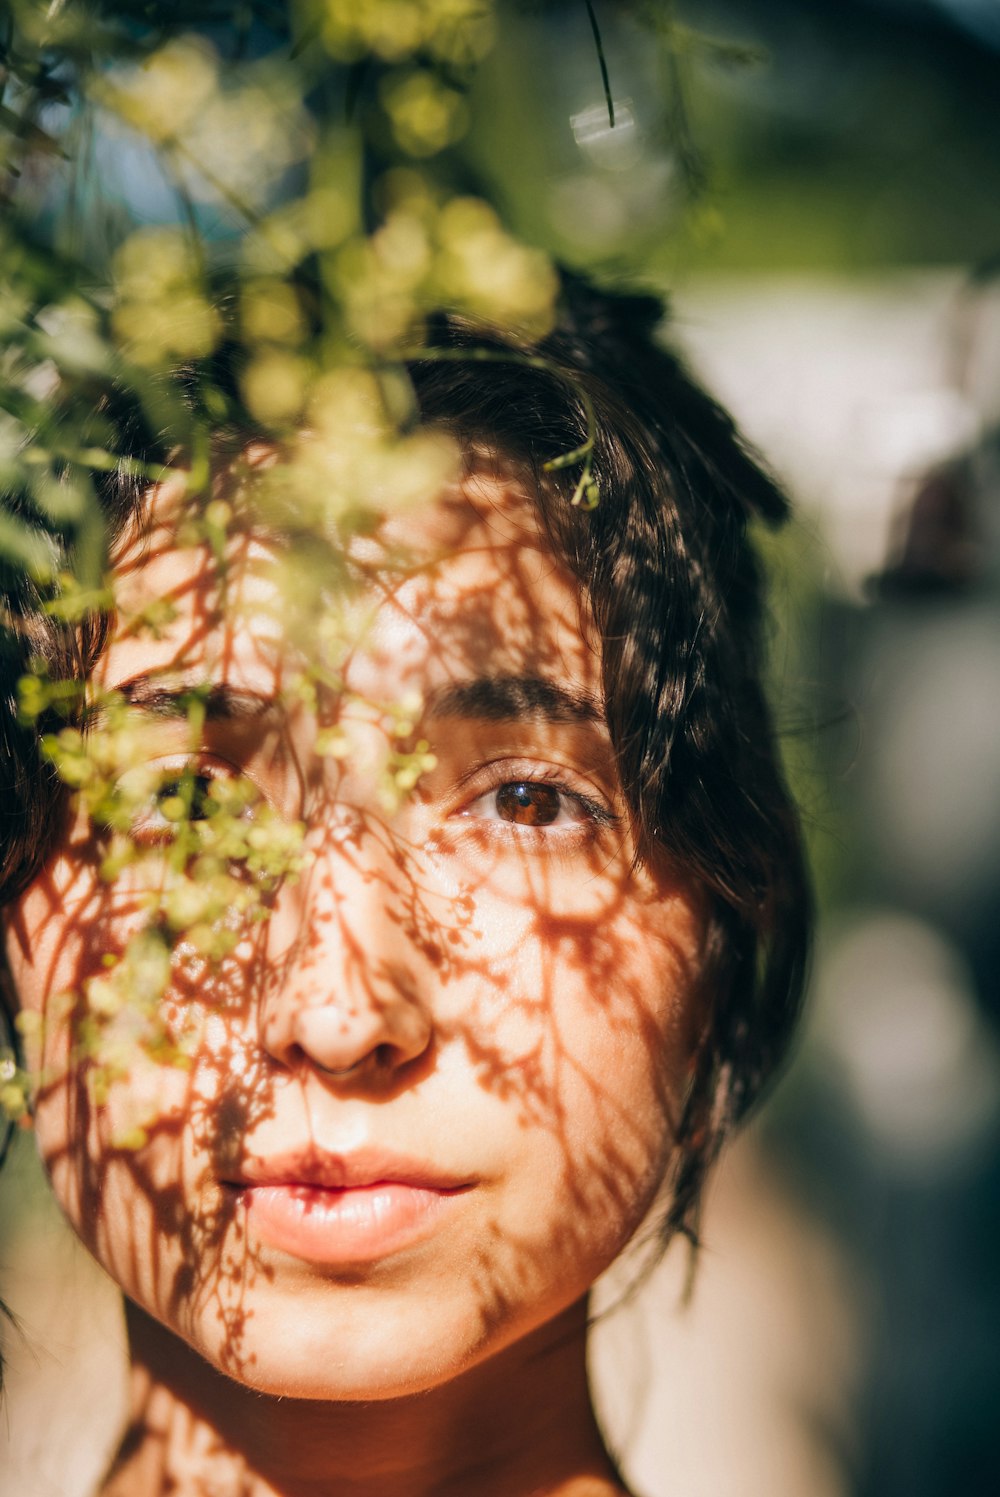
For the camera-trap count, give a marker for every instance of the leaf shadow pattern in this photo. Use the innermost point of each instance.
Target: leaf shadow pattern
(515, 1002)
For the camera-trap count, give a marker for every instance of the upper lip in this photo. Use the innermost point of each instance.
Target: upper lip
(359, 1167)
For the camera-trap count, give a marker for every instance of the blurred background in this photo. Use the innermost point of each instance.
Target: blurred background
(817, 188)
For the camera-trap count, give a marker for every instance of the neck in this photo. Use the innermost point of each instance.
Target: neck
(520, 1423)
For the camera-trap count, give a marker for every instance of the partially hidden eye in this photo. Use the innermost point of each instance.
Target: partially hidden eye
(529, 802)
(186, 797)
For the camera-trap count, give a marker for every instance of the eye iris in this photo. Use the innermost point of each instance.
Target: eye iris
(178, 800)
(528, 803)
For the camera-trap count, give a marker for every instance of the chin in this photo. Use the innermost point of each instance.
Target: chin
(364, 1351)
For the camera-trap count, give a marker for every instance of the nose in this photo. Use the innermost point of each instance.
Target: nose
(343, 993)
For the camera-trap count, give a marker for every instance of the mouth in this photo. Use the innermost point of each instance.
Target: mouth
(336, 1210)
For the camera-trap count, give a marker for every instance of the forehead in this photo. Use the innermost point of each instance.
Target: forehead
(464, 585)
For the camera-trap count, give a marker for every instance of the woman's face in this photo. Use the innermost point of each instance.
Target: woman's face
(431, 1097)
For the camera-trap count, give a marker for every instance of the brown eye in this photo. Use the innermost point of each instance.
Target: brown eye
(529, 803)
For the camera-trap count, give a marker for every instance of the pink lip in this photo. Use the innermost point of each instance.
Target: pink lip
(334, 1210)
(371, 1166)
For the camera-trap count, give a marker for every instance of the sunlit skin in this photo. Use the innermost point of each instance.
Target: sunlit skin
(476, 982)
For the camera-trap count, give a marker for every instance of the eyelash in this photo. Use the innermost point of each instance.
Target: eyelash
(593, 815)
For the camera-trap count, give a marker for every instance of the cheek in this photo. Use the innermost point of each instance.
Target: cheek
(579, 1030)
(611, 988)
(96, 1088)
(122, 1136)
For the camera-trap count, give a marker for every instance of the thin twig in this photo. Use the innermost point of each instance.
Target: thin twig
(598, 43)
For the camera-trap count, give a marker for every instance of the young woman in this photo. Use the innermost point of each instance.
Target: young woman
(539, 947)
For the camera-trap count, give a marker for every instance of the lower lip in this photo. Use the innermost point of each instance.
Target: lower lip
(333, 1227)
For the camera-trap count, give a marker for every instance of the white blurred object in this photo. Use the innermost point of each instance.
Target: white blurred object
(748, 1390)
(932, 761)
(895, 1013)
(848, 387)
(613, 147)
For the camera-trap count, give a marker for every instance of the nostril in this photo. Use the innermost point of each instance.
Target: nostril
(335, 1071)
(383, 1058)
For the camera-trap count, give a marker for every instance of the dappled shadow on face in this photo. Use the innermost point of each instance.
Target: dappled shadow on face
(464, 987)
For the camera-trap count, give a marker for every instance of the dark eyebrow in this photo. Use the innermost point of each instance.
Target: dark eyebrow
(514, 698)
(222, 702)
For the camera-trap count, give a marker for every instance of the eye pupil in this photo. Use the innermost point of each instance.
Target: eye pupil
(528, 803)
